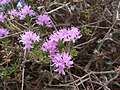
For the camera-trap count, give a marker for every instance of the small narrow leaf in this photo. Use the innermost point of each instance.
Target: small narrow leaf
(74, 52)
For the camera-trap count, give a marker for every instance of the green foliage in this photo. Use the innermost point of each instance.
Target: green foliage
(5, 42)
(74, 52)
(40, 55)
(2, 24)
(116, 83)
(60, 46)
(5, 72)
(27, 1)
(28, 20)
(86, 30)
(14, 69)
(68, 1)
(6, 6)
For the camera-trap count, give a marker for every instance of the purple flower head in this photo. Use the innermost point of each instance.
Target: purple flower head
(26, 11)
(59, 35)
(27, 39)
(50, 46)
(70, 34)
(3, 31)
(2, 17)
(4, 2)
(13, 12)
(66, 57)
(62, 61)
(35, 37)
(44, 19)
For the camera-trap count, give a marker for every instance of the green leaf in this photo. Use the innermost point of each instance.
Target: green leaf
(2, 24)
(68, 1)
(86, 31)
(4, 73)
(60, 46)
(27, 1)
(74, 52)
(6, 6)
(117, 84)
(28, 20)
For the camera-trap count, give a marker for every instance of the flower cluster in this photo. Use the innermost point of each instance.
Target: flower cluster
(2, 17)
(60, 58)
(27, 39)
(4, 2)
(3, 31)
(13, 12)
(50, 46)
(44, 19)
(22, 12)
(26, 11)
(70, 34)
(61, 61)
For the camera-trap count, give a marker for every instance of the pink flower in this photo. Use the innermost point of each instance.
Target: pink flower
(2, 17)
(70, 34)
(50, 46)
(62, 61)
(27, 39)
(59, 35)
(4, 2)
(3, 31)
(13, 12)
(44, 19)
(26, 11)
